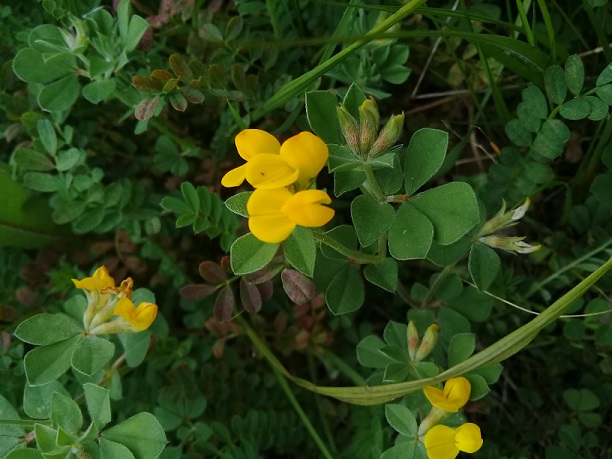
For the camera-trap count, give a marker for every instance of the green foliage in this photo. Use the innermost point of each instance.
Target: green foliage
(118, 123)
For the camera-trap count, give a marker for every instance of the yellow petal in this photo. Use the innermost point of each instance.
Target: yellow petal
(101, 279)
(139, 318)
(468, 438)
(235, 177)
(266, 202)
(440, 443)
(306, 153)
(435, 396)
(457, 392)
(273, 228)
(306, 208)
(124, 308)
(144, 315)
(251, 142)
(268, 171)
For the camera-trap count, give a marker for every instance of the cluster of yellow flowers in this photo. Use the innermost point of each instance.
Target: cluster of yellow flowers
(110, 308)
(281, 176)
(443, 442)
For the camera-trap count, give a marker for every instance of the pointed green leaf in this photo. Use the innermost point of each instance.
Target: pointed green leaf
(47, 363)
(410, 234)
(424, 157)
(483, 265)
(322, 117)
(371, 218)
(46, 328)
(383, 274)
(300, 250)
(141, 434)
(452, 209)
(248, 254)
(401, 419)
(345, 293)
(92, 354)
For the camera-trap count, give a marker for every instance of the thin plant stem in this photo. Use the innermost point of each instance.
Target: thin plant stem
(436, 285)
(566, 268)
(282, 382)
(328, 434)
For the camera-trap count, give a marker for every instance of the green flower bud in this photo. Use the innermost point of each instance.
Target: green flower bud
(390, 134)
(427, 343)
(412, 335)
(510, 244)
(369, 120)
(350, 129)
(504, 219)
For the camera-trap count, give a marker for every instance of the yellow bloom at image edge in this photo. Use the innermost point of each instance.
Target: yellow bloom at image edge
(275, 213)
(443, 442)
(140, 317)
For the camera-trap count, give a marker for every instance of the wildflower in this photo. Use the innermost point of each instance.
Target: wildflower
(510, 244)
(250, 142)
(109, 308)
(455, 394)
(275, 213)
(298, 162)
(504, 220)
(443, 442)
(272, 165)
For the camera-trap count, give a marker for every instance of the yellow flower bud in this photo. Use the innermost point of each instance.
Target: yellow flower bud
(350, 129)
(389, 135)
(369, 120)
(427, 343)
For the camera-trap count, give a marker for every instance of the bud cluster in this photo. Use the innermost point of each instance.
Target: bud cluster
(363, 137)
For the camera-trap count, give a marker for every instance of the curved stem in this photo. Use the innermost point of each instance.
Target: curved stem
(355, 256)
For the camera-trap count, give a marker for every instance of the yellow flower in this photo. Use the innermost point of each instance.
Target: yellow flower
(443, 442)
(250, 143)
(273, 214)
(299, 159)
(105, 301)
(100, 280)
(456, 393)
(139, 318)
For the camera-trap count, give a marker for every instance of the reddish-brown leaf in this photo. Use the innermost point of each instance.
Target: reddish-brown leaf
(195, 292)
(224, 304)
(145, 110)
(212, 272)
(266, 289)
(161, 75)
(250, 296)
(298, 287)
(178, 101)
(180, 68)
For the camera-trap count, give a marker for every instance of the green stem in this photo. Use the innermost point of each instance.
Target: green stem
(301, 84)
(355, 256)
(28, 423)
(371, 184)
(566, 268)
(436, 285)
(328, 433)
(498, 351)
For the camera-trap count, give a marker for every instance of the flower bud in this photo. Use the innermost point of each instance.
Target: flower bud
(412, 336)
(369, 120)
(504, 219)
(350, 129)
(427, 343)
(510, 244)
(390, 134)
